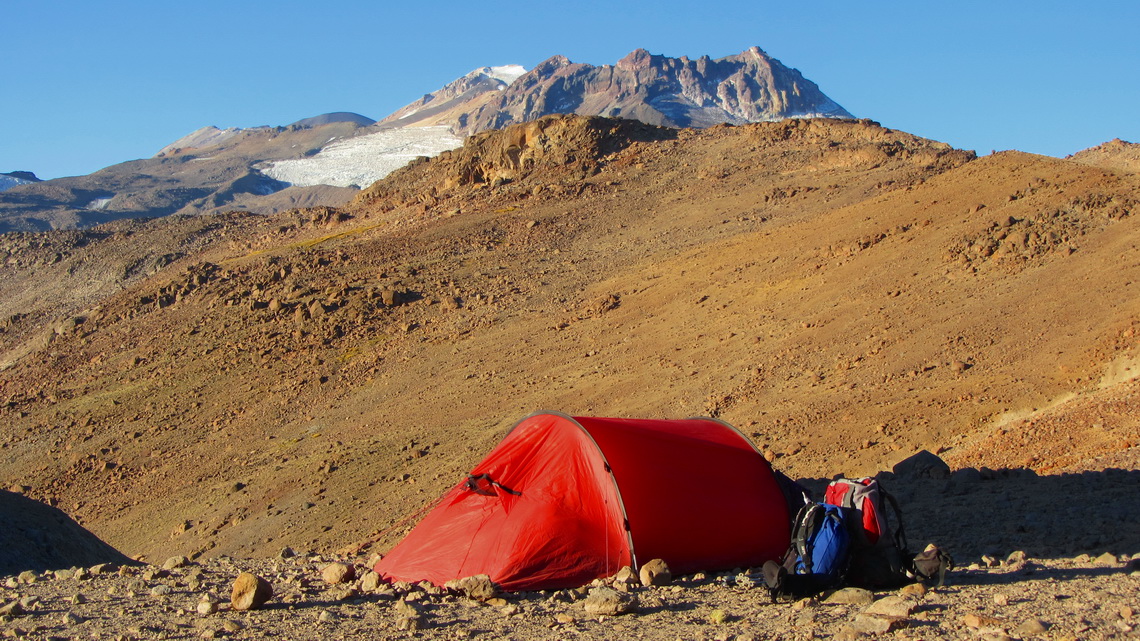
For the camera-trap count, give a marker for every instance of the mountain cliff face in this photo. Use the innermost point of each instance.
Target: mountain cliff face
(658, 90)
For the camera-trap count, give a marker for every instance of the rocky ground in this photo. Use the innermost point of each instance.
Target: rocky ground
(1018, 539)
(1018, 596)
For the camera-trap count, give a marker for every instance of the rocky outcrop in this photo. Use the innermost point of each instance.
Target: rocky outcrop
(659, 90)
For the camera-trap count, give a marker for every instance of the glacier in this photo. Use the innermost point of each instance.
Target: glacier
(363, 160)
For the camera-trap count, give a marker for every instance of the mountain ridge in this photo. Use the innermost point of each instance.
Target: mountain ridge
(265, 169)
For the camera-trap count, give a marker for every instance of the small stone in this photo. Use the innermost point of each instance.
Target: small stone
(12, 609)
(1031, 627)
(1107, 560)
(232, 626)
(626, 575)
(71, 619)
(914, 590)
(175, 562)
(286, 553)
(877, 623)
(27, 576)
(851, 596)
(892, 606)
(326, 617)
(250, 592)
(510, 610)
(655, 572)
(608, 602)
(1001, 599)
(336, 573)
(409, 623)
(160, 590)
(405, 609)
(78, 599)
(206, 608)
(981, 621)
(497, 602)
(62, 575)
(848, 633)
(370, 581)
(478, 587)
(563, 618)
(718, 617)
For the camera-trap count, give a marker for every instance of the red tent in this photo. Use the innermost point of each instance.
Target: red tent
(562, 501)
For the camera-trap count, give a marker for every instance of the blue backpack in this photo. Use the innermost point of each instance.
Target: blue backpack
(818, 555)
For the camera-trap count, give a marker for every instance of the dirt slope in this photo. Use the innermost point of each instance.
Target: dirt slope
(844, 293)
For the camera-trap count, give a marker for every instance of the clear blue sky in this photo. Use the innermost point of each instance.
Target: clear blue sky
(88, 84)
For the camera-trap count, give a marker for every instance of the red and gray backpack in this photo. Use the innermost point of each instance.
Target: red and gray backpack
(879, 555)
(869, 498)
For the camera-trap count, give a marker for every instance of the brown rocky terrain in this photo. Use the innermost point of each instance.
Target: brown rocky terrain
(843, 293)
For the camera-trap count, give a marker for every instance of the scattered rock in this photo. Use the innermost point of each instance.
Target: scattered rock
(370, 581)
(655, 572)
(1107, 560)
(851, 596)
(914, 590)
(877, 623)
(12, 609)
(478, 587)
(626, 575)
(608, 602)
(892, 606)
(981, 621)
(70, 619)
(175, 562)
(1031, 627)
(337, 573)
(250, 592)
(206, 608)
(409, 623)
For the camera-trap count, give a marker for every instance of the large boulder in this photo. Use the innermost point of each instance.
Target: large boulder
(922, 465)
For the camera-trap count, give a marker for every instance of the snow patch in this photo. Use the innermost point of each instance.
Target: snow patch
(8, 182)
(506, 73)
(363, 160)
(99, 204)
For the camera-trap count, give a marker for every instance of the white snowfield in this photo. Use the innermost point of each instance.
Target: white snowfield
(363, 160)
(8, 182)
(506, 73)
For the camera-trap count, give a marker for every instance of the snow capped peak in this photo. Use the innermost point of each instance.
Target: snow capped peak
(504, 73)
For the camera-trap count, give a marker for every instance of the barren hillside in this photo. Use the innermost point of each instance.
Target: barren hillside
(843, 293)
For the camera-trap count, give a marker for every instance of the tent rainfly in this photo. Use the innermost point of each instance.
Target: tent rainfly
(562, 501)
